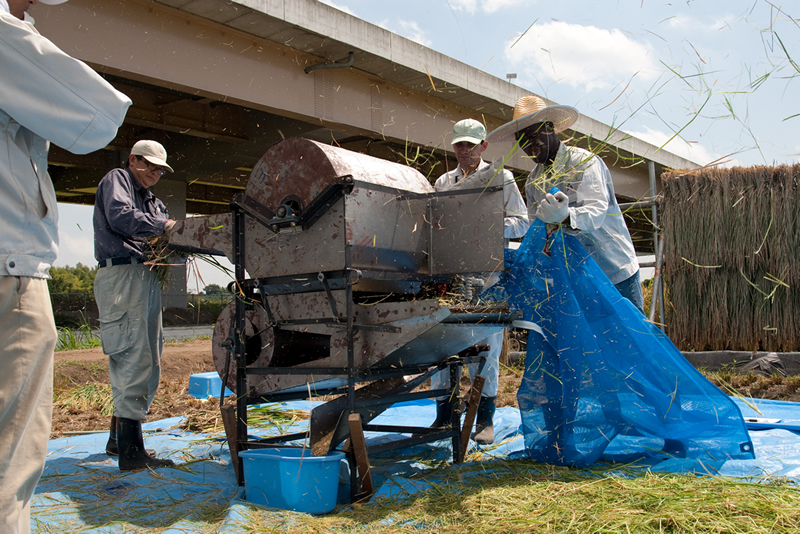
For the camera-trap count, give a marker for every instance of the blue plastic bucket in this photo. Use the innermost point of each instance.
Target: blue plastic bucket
(292, 479)
(205, 385)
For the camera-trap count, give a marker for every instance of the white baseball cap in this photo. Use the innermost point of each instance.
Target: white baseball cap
(52, 2)
(468, 130)
(152, 151)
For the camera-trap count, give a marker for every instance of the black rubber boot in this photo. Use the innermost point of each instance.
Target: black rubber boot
(132, 454)
(443, 411)
(111, 445)
(484, 421)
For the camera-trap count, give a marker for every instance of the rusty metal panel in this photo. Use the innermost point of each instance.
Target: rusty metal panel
(204, 235)
(301, 169)
(467, 233)
(438, 343)
(384, 233)
(467, 224)
(411, 319)
(295, 251)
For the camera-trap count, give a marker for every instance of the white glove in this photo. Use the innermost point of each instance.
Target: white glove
(169, 225)
(553, 209)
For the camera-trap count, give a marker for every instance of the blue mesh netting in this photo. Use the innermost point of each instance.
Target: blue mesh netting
(602, 382)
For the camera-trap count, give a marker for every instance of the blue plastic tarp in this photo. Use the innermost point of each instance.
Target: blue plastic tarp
(83, 490)
(602, 382)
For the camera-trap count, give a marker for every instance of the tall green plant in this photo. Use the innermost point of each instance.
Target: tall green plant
(82, 338)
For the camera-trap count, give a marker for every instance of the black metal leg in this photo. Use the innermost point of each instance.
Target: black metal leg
(455, 409)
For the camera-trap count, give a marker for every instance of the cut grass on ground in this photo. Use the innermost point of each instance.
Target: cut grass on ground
(522, 496)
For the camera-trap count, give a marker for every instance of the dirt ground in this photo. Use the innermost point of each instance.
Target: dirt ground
(79, 370)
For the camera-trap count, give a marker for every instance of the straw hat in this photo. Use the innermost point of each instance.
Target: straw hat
(530, 110)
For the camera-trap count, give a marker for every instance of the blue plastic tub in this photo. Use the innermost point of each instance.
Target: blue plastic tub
(205, 385)
(292, 479)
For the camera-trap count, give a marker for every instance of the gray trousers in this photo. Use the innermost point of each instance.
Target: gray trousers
(129, 300)
(27, 339)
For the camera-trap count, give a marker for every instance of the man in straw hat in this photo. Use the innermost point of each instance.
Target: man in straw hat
(46, 97)
(128, 294)
(469, 142)
(585, 204)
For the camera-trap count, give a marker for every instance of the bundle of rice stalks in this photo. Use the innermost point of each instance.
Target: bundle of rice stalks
(87, 397)
(731, 253)
(263, 417)
(163, 258)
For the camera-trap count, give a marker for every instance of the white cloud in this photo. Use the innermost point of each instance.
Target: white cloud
(487, 6)
(692, 151)
(75, 235)
(411, 30)
(490, 6)
(337, 6)
(585, 57)
(690, 24)
(470, 6)
(76, 247)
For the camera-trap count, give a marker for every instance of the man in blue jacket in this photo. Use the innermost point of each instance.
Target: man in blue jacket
(128, 294)
(45, 96)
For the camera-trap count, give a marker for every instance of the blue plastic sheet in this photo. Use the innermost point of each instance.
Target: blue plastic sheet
(82, 490)
(602, 382)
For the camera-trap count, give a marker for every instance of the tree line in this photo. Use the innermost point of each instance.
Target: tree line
(80, 279)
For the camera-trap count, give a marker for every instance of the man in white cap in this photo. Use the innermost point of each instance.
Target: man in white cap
(585, 204)
(128, 294)
(469, 142)
(45, 96)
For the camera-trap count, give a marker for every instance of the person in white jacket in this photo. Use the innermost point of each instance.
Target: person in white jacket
(469, 143)
(45, 96)
(585, 204)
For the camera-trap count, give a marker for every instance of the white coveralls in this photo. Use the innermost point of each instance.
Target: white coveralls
(45, 95)
(594, 216)
(515, 224)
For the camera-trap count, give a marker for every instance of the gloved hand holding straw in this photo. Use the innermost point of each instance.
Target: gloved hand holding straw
(554, 208)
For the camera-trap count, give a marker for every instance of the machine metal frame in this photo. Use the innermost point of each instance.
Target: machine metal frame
(253, 292)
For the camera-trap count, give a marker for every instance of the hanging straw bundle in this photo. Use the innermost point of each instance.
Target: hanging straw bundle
(731, 258)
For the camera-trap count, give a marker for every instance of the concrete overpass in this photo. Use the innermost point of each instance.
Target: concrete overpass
(219, 81)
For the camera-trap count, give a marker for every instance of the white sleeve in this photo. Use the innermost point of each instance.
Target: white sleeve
(515, 221)
(592, 196)
(57, 97)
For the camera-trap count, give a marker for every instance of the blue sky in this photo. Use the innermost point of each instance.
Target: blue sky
(713, 72)
(720, 79)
